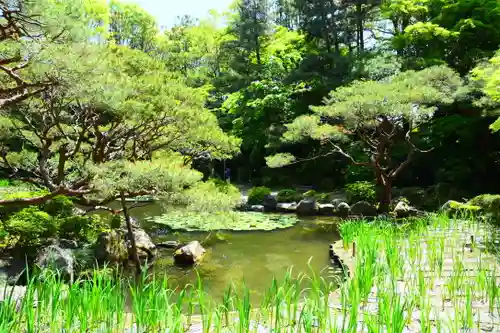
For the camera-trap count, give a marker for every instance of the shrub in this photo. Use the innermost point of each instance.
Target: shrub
(310, 194)
(324, 197)
(81, 228)
(3, 236)
(116, 221)
(17, 193)
(222, 185)
(257, 194)
(30, 226)
(361, 191)
(211, 196)
(288, 195)
(60, 206)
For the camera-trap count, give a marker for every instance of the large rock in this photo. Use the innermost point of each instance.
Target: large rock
(113, 246)
(168, 244)
(57, 259)
(363, 208)
(450, 205)
(269, 203)
(326, 209)
(307, 206)
(255, 208)
(286, 207)
(337, 202)
(189, 254)
(402, 210)
(343, 209)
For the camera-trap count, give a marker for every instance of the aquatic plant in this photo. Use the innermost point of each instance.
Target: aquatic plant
(238, 221)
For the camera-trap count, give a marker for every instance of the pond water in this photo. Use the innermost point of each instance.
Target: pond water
(253, 256)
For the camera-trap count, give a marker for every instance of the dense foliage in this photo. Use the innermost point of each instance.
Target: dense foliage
(98, 102)
(256, 195)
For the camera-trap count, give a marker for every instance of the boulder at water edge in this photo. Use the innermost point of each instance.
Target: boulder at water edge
(256, 208)
(403, 210)
(168, 244)
(57, 259)
(286, 207)
(343, 209)
(269, 203)
(189, 254)
(113, 246)
(326, 209)
(364, 208)
(307, 206)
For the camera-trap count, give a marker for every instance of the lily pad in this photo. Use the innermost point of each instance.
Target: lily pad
(236, 221)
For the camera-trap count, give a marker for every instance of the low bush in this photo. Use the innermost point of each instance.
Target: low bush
(289, 195)
(33, 225)
(216, 195)
(257, 194)
(324, 197)
(310, 194)
(30, 226)
(81, 228)
(60, 206)
(361, 191)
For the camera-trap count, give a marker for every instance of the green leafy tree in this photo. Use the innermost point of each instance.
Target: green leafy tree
(131, 25)
(382, 115)
(119, 105)
(194, 49)
(286, 15)
(488, 76)
(457, 33)
(30, 32)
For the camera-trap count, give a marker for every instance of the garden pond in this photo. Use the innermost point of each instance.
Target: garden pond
(253, 256)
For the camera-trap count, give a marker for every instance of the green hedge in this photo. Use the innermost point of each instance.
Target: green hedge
(257, 194)
(289, 195)
(361, 191)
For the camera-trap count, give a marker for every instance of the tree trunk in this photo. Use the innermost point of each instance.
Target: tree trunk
(360, 27)
(385, 195)
(130, 234)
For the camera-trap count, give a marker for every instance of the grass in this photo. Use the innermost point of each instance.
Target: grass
(398, 272)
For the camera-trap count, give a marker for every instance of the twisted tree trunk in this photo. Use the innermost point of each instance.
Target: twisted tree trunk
(130, 233)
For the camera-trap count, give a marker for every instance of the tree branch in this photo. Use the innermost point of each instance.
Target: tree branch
(409, 157)
(343, 153)
(41, 199)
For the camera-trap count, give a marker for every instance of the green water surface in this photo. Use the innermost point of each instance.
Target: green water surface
(253, 256)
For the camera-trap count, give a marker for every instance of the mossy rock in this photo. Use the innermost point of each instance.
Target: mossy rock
(236, 221)
(489, 203)
(452, 207)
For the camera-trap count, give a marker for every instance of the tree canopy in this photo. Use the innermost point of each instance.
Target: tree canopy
(87, 84)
